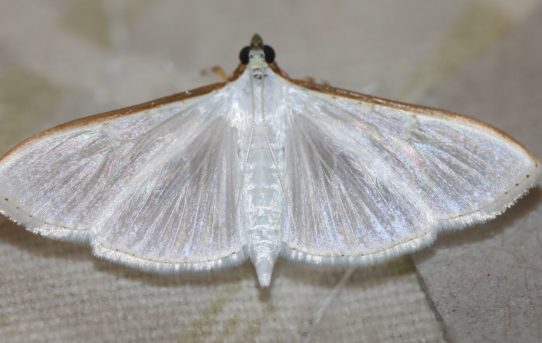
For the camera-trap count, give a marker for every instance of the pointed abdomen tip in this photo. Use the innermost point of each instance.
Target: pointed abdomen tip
(264, 269)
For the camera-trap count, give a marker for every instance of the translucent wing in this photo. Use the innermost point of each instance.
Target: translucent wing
(369, 178)
(152, 185)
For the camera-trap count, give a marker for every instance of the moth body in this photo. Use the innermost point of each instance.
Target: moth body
(263, 205)
(262, 189)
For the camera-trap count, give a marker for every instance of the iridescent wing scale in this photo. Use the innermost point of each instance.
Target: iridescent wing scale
(150, 186)
(369, 178)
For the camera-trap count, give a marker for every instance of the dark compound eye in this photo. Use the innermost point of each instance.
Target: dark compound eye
(243, 54)
(269, 54)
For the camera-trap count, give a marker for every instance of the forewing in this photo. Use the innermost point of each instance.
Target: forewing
(153, 188)
(368, 180)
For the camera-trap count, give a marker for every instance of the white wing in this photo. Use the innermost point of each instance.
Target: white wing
(369, 178)
(154, 188)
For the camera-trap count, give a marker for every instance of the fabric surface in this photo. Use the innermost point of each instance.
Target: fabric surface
(60, 60)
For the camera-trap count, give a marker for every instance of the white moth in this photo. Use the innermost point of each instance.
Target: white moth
(258, 167)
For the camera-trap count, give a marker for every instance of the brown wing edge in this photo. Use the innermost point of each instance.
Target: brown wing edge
(425, 110)
(134, 109)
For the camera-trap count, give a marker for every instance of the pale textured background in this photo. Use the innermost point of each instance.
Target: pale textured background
(65, 59)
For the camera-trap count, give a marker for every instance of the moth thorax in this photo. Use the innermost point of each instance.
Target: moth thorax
(257, 62)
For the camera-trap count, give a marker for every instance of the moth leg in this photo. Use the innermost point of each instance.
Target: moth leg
(216, 70)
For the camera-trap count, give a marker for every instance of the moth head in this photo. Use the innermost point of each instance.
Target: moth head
(257, 54)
